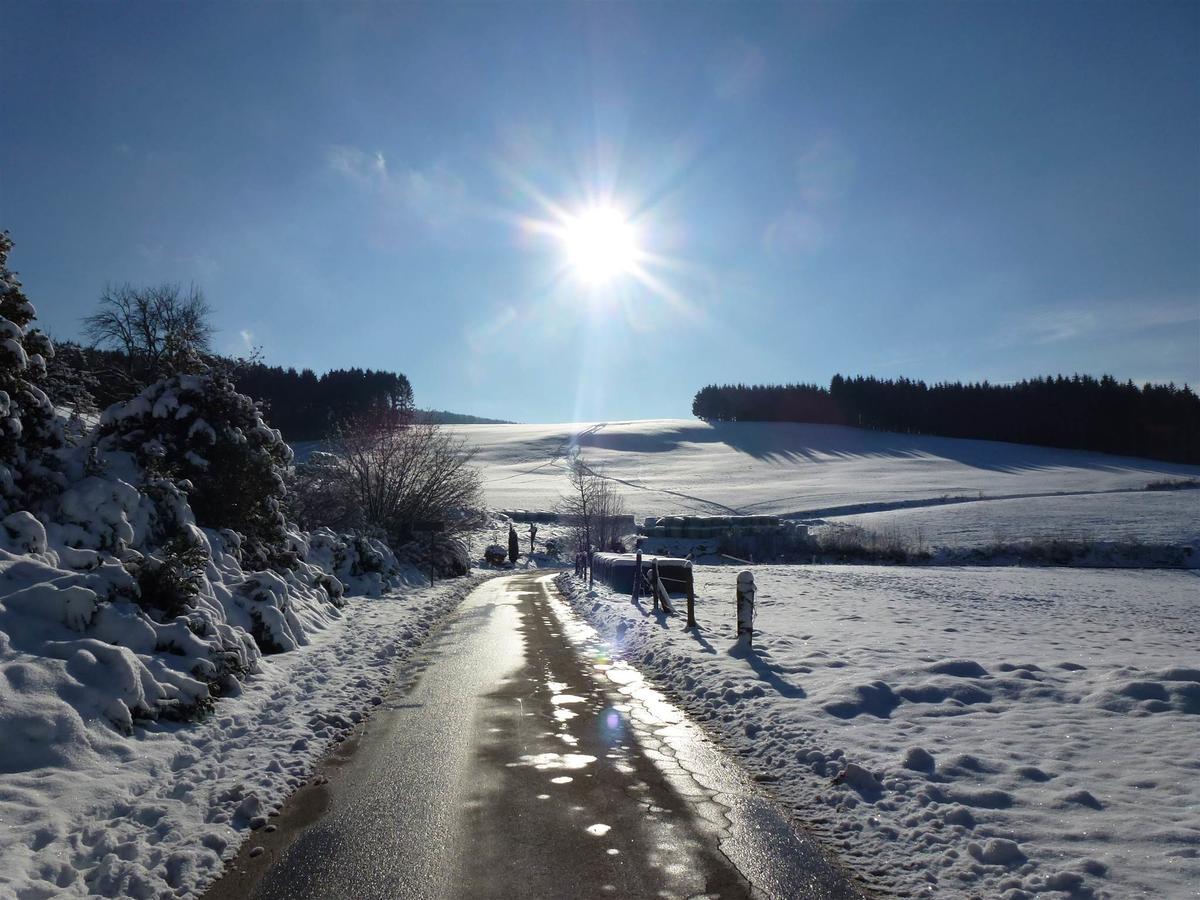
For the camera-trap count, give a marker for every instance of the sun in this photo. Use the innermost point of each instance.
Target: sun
(601, 245)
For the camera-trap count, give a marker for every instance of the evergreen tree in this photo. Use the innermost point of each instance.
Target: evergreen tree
(30, 433)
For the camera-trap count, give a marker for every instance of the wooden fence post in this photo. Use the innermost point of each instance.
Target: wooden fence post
(637, 578)
(745, 609)
(691, 589)
(656, 584)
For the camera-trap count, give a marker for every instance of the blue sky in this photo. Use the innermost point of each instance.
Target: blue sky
(945, 191)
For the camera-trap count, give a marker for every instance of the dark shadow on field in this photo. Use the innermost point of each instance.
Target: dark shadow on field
(700, 639)
(767, 672)
(793, 442)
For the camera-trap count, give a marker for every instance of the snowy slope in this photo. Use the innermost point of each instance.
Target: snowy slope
(674, 466)
(1016, 732)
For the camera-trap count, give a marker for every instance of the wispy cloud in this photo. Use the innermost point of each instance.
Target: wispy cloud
(824, 170)
(1111, 317)
(435, 196)
(794, 232)
(200, 266)
(737, 69)
(824, 173)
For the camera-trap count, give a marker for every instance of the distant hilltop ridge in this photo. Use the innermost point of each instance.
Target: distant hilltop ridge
(444, 417)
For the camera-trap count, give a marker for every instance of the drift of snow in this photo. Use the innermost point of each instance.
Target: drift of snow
(948, 732)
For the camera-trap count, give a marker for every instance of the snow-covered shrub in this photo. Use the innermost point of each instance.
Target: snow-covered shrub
(495, 554)
(198, 431)
(170, 581)
(446, 554)
(30, 432)
(319, 495)
(362, 564)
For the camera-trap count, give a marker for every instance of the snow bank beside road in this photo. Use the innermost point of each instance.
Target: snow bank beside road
(154, 813)
(993, 732)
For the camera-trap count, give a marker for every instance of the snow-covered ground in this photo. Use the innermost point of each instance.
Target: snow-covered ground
(675, 466)
(154, 813)
(1003, 732)
(1163, 517)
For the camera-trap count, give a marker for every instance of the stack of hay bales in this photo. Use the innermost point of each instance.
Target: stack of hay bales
(709, 527)
(529, 515)
(617, 571)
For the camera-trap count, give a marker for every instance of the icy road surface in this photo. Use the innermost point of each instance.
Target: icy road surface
(519, 758)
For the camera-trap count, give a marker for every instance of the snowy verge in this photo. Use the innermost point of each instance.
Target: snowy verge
(154, 813)
(954, 732)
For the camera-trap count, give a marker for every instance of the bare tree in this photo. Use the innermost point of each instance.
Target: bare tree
(161, 330)
(610, 508)
(591, 505)
(404, 475)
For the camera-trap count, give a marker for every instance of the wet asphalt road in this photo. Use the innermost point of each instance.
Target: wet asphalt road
(518, 758)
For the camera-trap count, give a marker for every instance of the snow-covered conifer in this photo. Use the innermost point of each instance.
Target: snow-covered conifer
(30, 433)
(201, 433)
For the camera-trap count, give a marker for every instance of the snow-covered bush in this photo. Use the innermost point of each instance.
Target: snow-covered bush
(319, 495)
(446, 554)
(364, 565)
(30, 432)
(198, 431)
(169, 582)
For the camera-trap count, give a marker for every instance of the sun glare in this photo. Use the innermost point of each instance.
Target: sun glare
(601, 245)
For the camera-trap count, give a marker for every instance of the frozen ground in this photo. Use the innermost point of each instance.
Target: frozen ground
(1003, 732)
(154, 813)
(1164, 517)
(675, 466)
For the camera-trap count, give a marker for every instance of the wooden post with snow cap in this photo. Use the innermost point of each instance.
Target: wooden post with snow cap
(745, 609)
(591, 569)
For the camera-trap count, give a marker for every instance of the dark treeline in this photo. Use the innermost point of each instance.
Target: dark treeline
(1077, 412)
(301, 404)
(445, 417)
(306, 406)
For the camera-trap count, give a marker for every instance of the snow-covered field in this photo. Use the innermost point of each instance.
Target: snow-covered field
(675, 466)
(1005, 732)
(154, 813)
(1162, 517)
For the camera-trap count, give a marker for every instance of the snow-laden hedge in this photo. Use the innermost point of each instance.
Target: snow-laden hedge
(75, 627)
(147, 567)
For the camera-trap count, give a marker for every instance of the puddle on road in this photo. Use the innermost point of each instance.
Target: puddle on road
(755, 835)
(555, 761)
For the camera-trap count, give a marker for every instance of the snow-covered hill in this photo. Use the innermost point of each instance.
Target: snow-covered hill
(674, 466)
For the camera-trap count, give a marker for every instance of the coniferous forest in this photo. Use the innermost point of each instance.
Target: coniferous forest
(306, 406)
(1077, 412)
